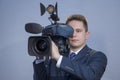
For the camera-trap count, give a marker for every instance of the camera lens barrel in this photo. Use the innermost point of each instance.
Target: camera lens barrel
(39, 45)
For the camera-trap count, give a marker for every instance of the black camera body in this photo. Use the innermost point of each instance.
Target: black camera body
(41, 45)
(56, 32)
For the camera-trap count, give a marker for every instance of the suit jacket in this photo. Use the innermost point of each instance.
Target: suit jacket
(87, 65)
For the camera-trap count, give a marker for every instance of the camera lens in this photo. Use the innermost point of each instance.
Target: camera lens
(41, 45)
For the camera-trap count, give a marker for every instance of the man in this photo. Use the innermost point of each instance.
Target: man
(86, 63)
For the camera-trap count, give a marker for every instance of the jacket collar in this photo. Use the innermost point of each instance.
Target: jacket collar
(83, 52)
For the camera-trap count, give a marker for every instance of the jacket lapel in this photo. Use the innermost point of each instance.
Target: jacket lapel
(82, 53)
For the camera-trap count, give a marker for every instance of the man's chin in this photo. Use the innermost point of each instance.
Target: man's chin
(74, 46)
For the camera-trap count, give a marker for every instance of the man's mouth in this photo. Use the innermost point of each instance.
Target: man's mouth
(74, 40)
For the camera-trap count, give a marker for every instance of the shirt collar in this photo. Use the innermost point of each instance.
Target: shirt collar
(76, 52)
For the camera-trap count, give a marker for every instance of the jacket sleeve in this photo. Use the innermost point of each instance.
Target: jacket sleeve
(39, 71)
(88, 68)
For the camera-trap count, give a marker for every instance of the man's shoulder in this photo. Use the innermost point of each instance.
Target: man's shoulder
(97, 54)
(93, 52)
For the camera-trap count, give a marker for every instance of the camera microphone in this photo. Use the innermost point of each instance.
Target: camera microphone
(33, 28)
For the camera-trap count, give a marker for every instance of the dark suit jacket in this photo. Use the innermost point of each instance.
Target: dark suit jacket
(87, 65)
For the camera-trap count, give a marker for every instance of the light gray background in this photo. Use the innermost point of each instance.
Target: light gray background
(104, 24)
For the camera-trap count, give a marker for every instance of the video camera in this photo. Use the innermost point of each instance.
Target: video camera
(57, 32)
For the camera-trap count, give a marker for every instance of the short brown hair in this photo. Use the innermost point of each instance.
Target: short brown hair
(78, 17)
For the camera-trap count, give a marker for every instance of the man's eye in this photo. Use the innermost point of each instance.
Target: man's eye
(78, 30)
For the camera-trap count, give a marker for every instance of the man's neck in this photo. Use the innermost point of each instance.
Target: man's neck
(76, 50)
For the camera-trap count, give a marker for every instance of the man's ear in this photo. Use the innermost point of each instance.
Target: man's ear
(87, 34)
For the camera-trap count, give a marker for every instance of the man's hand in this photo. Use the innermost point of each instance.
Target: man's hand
(55, 52)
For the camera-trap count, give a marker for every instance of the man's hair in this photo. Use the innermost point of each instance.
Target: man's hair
(78, 17)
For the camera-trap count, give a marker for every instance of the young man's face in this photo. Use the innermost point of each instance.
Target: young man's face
(79, 35)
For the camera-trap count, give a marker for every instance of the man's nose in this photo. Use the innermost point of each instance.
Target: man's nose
(74, 34)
